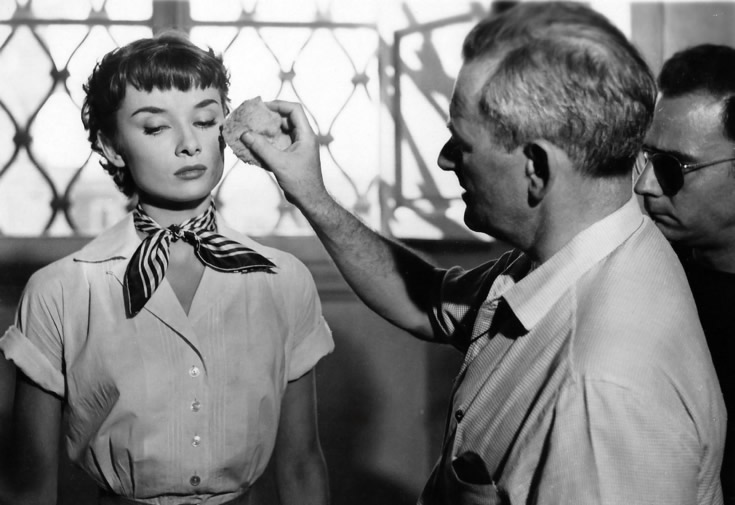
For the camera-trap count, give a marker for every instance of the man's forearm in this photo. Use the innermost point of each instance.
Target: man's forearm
(391, 279)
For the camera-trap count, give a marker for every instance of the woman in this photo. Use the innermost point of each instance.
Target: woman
(181, 351)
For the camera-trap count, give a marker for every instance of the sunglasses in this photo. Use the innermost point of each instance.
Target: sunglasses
(670, 171)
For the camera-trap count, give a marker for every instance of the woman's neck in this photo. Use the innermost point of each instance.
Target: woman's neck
(171, 214)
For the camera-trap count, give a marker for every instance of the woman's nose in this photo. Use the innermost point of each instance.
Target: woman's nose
(189, 144)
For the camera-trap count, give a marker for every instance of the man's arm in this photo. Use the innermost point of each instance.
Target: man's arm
(392, 280)
(611, 444)
(300, 470)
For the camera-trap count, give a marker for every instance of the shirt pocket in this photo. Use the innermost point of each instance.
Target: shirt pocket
(470, 483)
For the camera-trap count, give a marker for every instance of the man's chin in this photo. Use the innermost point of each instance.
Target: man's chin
(482, 228)
(471, 223)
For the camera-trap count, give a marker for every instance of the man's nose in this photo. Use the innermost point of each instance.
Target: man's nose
(647, 183)
(448, 156)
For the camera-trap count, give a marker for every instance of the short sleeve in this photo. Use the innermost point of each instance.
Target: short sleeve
(459, 295)
(310, 335)
(35, 342)
(607, 444)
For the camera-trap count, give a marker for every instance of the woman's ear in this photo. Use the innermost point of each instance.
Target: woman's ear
(110, 151)
(538, 171)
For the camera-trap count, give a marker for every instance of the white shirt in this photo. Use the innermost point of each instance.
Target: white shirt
(166, 404)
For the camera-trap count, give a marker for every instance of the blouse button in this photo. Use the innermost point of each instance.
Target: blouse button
(194, 371)
(195, 406)
(196, 440)
(195, 480)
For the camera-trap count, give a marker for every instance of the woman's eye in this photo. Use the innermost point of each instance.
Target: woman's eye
(206, 124)
(152, 130)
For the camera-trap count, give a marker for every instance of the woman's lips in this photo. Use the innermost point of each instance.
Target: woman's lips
(191, 171)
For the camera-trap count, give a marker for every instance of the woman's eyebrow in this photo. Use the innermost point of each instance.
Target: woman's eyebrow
(206, 103)
(150, 109)
(157, 110)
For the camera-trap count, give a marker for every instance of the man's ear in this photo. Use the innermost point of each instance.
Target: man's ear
(109, 150)
(539, 171)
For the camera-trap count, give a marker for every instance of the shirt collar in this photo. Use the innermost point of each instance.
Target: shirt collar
(533, 296)
(117, 242)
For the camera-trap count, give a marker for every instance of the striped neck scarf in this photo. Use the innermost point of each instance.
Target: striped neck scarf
(147, 266)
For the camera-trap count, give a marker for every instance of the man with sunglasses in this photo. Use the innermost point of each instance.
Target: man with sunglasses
(688, 189)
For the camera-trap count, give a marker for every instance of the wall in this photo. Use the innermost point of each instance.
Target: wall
(660, 29)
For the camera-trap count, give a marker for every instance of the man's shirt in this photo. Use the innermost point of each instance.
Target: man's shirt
(587, 378)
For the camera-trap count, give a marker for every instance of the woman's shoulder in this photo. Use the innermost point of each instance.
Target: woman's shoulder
(285, 261)
(72, 268)
(55, 276)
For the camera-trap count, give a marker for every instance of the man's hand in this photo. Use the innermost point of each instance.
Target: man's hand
(298, 168)
(389, 278)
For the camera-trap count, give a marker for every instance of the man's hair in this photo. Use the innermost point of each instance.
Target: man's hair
(567, 75)
(167, 61)
(706, 69)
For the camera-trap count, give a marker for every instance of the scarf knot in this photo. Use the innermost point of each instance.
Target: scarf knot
(176, 232)
(147, 267)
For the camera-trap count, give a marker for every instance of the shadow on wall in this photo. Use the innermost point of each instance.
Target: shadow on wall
(354, 424)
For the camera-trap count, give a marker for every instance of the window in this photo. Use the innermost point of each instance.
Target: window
(374, 77)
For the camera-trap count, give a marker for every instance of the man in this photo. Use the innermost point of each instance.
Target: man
(688, 189)
(587, 377)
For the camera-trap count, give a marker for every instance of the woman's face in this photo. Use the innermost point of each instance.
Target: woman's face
(170, 142)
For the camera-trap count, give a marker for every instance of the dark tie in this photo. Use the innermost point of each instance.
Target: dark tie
(147, 267)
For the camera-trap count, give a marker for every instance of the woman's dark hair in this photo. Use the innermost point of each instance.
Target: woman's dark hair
(167, 61)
